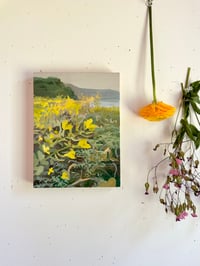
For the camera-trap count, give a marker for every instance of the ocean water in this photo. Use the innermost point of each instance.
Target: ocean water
(109, 103)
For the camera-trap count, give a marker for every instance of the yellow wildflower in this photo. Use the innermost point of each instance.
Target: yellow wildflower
(72, 106)
(66, 125)
(50, 128)
(88, 124)
(84, 144)
(45, 149)
(51, 171)
(40, 138)
(71, 154)
(157, 111)
(51, 136)
(55, 110)
(65, 175)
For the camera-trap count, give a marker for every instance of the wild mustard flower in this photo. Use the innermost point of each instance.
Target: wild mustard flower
(72, 106)
(52, 136)
(46, 149)
(55, 110)
(65, 175)
(71, 154)
(51, 171)
(40, 138)
(155, 111)
(66, 125)
(84, 144)
(88, 124)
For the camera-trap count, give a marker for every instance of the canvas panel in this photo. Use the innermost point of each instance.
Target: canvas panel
(76, 130)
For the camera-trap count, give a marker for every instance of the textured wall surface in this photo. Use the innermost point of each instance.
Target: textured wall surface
(91, 227)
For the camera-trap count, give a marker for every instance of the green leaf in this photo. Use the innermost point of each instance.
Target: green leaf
(197, 144)
(39, 170)
(179, 137)
(35, 160)
(195, 107)
(196, 86)
(44, 162)
(195, 98)
(197, 141)
(188, 129)
(186, 108)
(194, 130)
(40, 155)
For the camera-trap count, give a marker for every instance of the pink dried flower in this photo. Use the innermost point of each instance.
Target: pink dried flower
(166, 186)
(194, 214)
(174, 171)
(178, 161)
(184, 214)
(181, 216)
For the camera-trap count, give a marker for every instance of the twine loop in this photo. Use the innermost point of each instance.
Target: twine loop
(149, 2)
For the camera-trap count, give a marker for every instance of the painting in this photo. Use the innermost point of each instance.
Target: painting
(76, 130)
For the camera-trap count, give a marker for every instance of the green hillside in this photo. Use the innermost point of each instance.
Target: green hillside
(52, 87)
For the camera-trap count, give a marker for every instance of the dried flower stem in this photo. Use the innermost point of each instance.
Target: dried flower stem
(152, 54)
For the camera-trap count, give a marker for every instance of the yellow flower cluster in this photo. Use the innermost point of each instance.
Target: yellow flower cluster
(58, 125)
(47, 110)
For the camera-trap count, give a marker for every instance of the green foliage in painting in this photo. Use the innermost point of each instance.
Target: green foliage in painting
(76, 143)
(52, 87)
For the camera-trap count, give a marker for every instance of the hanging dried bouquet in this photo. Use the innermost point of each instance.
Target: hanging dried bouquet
(179, 181)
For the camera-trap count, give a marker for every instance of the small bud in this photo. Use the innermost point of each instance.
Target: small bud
(194, 188)
(147, 185)
(162, 201)
(196, 163)
(155, 189)
(146, 188)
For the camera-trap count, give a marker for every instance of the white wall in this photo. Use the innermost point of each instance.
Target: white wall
(91, 227)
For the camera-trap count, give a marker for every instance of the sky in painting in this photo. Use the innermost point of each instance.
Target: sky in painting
(85, 79)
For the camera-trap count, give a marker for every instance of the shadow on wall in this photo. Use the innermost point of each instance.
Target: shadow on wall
(28, 87)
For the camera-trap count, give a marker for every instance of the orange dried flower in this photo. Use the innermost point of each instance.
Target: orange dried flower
(157, 111)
